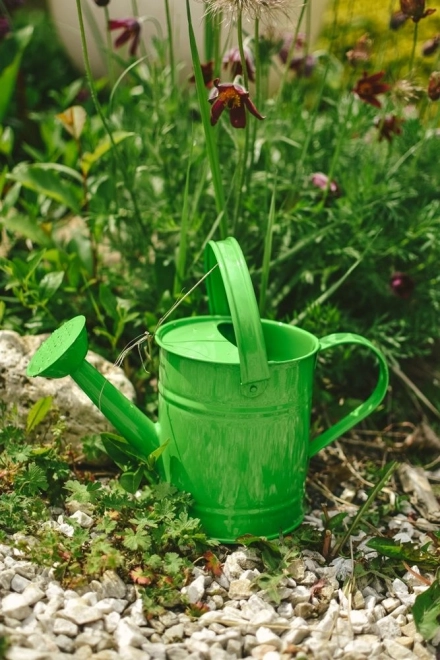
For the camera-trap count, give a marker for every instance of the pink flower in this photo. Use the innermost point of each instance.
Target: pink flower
(402, 285)
(131, 30)
(321, 180)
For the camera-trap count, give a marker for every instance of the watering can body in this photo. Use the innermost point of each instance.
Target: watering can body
(235, 397)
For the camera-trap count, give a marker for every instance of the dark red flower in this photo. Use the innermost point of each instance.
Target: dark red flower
(321, 180)
(415, 9)
(234, 98)
(431, 46)
(434, 86)
(207, 73)
(131, 31)
(402, 285)
(397, 20)
(232, 59)
(368, 87)
(388, 126)
(5, 27)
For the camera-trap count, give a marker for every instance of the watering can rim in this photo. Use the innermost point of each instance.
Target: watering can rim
(215, 320)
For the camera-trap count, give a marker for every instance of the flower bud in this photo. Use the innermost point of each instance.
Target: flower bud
(434, 86)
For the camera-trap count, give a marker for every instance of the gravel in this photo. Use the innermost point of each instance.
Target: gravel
(316, 616)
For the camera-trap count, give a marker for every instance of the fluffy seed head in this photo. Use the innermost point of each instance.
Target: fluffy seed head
(250, 8)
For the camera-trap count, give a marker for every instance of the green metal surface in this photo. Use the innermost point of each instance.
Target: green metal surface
(235, 398)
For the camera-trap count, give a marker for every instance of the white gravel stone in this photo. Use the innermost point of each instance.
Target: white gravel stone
(111, 621)
(388, 627)
(174, 633)
(126, 634)
(195, 591)
(107, 605)
(83, 519)
(267, 636)
(301, 594)
(239, 589)
(366, 644)
(15, 606)
(112, 585)
(298, 631)
(65, 627)
(65, 643)
(157, 651)
(390, 604)
(397, 651)
(79, 612)
(19, 583)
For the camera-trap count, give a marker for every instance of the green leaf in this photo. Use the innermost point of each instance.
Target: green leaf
(120, 451)
(108, 301)
(136, 540)
(27, 227)
(11, 52)
(47, 182)
(50, 283)
(31, 480)
(38, 413)
(90, 158)
(130, 481)
(6, 140)
(409, 552)
(426, 611)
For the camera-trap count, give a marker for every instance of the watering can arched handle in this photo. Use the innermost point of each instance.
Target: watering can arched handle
(365, 408)
(231, 293)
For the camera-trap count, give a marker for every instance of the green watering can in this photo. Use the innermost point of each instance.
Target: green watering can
(235, 396)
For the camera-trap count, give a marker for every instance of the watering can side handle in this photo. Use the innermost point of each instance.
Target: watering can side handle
(365, 408)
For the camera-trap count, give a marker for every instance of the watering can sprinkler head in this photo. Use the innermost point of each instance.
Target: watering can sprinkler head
(63, 354)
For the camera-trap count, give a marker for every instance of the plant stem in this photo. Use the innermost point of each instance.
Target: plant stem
(342, 133)
(110, 62)
(211, 146)
(241, 49)
(100, 112)
(243, 156)
(290, 53)
(414, 45)
(267, 252)
(362, 510)
(184, 222)
(171, 45)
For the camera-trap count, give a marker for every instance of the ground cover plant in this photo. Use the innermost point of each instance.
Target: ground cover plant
(111, 188)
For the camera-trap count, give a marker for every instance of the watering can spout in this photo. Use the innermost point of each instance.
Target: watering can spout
(63, 354)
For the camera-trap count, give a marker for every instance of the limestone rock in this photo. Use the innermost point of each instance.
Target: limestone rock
(82, 417)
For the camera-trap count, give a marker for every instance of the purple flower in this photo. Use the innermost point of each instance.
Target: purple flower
(402, 285)
(131, 31)
(233, 60)
(234, 98)
(5, 27)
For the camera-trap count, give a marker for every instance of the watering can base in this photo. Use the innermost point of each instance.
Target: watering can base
(268, 524)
